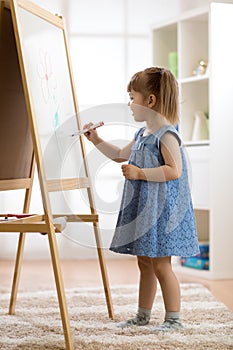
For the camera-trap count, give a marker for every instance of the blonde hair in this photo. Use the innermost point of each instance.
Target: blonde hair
(161, 83)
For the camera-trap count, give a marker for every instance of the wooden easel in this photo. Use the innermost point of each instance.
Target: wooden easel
(21, 151)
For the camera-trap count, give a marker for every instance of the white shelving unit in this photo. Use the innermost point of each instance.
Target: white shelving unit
(205, 34)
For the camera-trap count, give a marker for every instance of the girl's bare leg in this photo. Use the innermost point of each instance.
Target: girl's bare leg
(169, 284)
(147, 284)
(147, 290)
(171, 293)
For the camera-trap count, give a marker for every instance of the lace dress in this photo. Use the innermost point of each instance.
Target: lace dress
(156, 219)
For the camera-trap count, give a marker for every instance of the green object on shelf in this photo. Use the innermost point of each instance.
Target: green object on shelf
(173, 62)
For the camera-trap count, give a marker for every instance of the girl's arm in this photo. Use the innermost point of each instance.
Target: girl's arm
(113, 152)
(171, 170)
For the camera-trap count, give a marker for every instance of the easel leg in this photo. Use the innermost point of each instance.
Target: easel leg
(60, 291)
(18, 264)
(21, 242)
(103, 271)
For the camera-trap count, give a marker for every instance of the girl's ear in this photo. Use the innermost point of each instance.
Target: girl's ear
(151, 101)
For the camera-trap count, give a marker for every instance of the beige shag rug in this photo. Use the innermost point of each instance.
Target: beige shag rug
(37, 325)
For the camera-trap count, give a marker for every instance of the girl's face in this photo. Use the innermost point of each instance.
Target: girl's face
(138, 105)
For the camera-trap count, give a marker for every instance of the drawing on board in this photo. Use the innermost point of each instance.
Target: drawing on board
(48, 83)
(47, 77)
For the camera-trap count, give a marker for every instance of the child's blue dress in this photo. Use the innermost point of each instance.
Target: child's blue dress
(156, 219)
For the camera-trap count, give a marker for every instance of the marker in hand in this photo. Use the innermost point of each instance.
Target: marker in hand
(94, 126)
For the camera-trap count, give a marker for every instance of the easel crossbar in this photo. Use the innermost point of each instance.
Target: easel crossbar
(67, 184)
(15, 184)
(36, 223)
(79, 217)
(23, 227)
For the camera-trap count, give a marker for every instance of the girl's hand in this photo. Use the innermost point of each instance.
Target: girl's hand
(91, 134)
(132, 172)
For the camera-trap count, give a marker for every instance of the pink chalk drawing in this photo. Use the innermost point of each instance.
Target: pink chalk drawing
(47, 77)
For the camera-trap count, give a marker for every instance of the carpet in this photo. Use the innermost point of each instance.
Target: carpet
(37, 325)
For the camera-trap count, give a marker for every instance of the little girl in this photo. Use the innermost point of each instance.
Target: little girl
(156, 219)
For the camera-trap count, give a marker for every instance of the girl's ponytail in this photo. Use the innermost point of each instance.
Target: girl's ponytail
(169, 96)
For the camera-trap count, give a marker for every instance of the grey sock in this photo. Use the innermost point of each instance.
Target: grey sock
(142, 311)
(142, 318)
(171, 322)
(172, 316)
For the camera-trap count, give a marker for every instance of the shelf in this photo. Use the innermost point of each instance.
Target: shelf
(193, 40)
(194, 97)
(196, 143)
(195, 36)
(193, 79)
(193, 272)
(166, 39)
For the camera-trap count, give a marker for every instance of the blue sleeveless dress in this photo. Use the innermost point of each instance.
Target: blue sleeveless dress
(156, 219)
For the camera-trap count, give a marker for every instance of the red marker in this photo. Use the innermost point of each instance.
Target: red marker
(94, 126)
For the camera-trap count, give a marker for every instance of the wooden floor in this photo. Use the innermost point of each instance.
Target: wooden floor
(37, 275)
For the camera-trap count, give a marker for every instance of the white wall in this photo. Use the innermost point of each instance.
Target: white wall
(109, 41)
